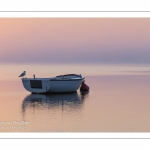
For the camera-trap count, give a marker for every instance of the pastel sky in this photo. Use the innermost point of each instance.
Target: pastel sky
(75, 40)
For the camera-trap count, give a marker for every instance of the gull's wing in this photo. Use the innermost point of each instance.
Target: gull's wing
(21, 74)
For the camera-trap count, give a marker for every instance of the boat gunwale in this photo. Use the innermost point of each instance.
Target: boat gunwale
(57, 78)
(73, 79)
(53, 79)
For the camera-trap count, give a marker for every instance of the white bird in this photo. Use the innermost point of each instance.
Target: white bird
(23, 74)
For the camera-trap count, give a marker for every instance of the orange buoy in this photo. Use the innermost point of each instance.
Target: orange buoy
(84, 87)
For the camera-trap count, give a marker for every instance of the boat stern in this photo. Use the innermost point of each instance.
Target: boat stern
(35, 85)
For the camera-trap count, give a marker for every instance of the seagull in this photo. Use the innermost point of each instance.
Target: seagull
(23, 74)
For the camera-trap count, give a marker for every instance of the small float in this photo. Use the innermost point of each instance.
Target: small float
(58, 84)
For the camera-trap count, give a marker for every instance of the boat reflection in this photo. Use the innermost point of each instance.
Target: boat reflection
(50, 101)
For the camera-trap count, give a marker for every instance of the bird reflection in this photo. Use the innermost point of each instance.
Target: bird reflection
(50, 101)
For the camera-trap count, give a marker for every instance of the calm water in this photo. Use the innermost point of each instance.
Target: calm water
(118, 101)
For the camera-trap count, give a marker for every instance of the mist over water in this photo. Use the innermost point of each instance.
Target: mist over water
(75, 40)
(10, 72)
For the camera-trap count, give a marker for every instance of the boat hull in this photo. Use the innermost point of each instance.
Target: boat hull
(55, 85)
(64, 86)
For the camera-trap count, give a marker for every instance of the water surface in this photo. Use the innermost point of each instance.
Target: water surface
(118, 100)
